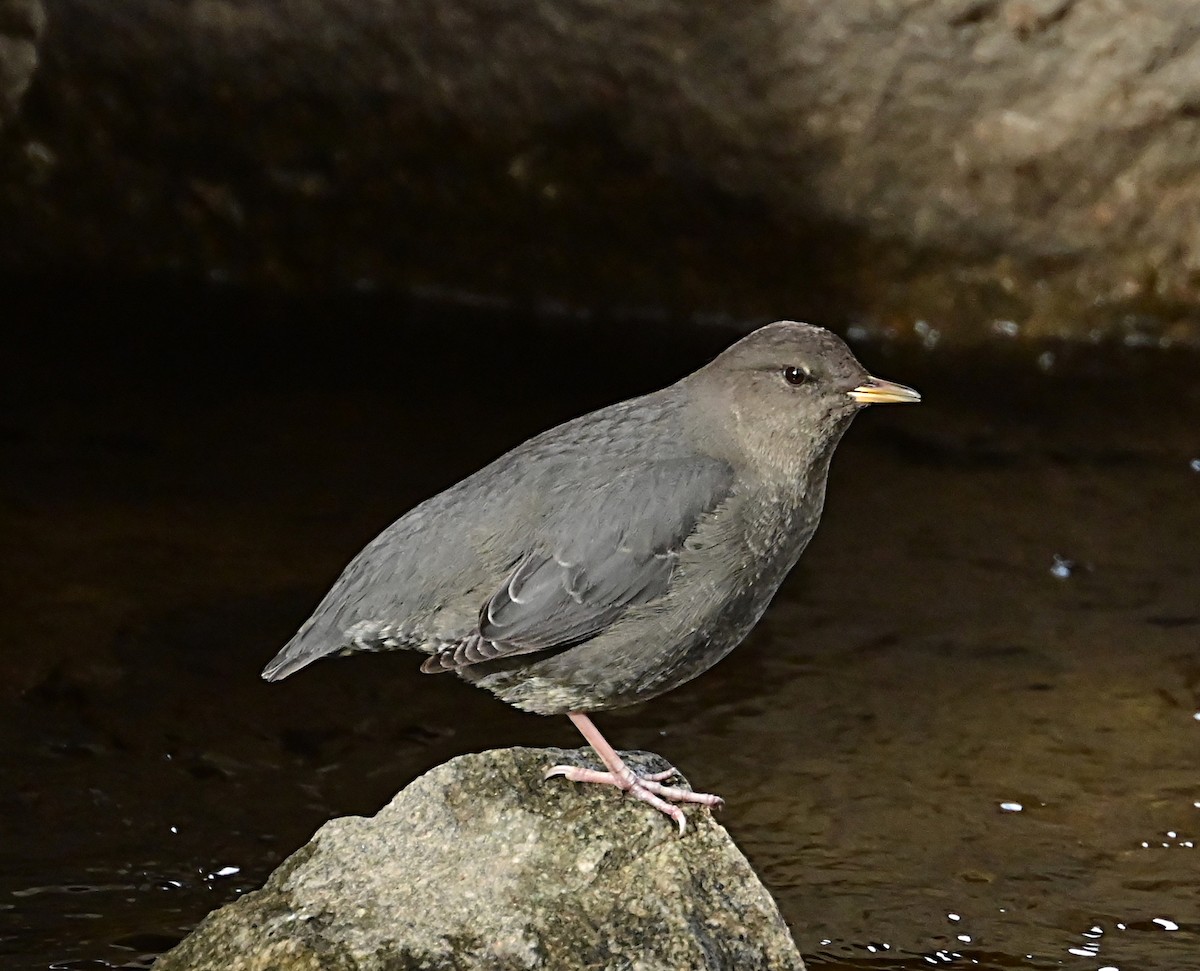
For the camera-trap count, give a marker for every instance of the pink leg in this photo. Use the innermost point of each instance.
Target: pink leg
(647, 788)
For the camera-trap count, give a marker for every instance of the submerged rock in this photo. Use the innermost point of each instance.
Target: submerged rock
(481, 864)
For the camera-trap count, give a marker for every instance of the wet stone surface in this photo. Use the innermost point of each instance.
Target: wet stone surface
(965, 733)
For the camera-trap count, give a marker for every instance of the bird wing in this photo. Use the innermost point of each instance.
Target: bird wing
(611, 548)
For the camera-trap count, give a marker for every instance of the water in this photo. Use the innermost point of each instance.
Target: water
(965, 735)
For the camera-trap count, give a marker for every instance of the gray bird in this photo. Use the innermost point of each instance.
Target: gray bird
(615, 557)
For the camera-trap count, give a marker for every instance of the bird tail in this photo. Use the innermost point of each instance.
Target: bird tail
(299, 652)
(285, 663)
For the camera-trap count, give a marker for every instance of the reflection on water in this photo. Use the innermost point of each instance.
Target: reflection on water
(964, 736)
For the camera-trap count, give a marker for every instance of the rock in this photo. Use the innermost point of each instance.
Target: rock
(955, 160)
(21, 25)
(481, 864)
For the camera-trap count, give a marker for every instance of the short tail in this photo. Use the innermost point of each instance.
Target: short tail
(297, 653)
(283, 664)
(312, 643)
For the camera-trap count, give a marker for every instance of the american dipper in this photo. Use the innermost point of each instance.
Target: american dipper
(616, 556)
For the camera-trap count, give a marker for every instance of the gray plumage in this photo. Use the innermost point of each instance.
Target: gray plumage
(620, 554)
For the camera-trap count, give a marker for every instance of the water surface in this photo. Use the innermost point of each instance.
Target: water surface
(965, 735)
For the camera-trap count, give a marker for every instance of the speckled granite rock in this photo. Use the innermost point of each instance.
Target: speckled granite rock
(481, 864)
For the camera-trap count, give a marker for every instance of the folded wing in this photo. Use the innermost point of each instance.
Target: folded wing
(610, 549)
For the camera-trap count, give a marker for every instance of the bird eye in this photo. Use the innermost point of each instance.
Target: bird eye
(796, 375)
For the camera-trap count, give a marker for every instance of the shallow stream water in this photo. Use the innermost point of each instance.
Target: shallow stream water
(967, 734)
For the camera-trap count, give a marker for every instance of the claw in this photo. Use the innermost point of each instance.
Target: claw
(647, 788)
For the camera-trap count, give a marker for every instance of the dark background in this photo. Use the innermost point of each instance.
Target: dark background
(1000, 607)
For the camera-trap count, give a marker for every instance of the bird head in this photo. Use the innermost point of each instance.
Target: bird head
(787, 392)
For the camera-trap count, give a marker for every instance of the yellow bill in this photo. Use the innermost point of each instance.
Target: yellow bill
(876, 391)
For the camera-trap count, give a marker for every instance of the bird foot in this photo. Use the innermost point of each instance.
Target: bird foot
(648, 788)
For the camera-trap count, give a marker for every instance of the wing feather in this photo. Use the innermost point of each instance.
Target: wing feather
(608, 550)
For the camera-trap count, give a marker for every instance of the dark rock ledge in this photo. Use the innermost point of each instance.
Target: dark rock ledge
(480, 864)
(22, 23)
